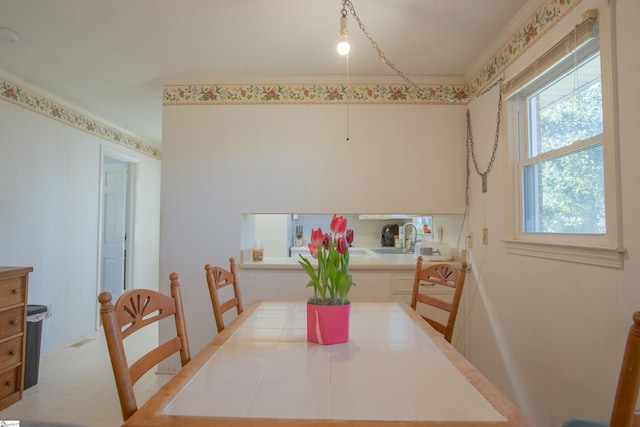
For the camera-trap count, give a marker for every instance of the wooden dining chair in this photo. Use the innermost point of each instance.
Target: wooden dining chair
(439, 275)
(218, 278)
(624, 413)
(134, 310)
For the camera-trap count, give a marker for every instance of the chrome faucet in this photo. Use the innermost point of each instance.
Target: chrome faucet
(412, 242)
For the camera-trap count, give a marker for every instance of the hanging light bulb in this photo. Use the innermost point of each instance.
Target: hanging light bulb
(343, 44)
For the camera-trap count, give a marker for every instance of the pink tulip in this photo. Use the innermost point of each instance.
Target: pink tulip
(349, 236)
(314, 250)
(325, 240)
(342, 245)
(316, 237)
(338, 224)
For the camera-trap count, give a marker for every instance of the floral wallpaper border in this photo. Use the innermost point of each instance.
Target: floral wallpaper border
(548, 15)
(312, 94)
(545, 17)
(15, 94)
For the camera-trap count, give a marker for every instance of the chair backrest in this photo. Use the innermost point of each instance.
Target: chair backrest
(442, 275)
(218, 278)
(624, 406)
(134, 310)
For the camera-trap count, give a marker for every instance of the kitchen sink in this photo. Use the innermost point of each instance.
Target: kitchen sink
(392, 251)
(359, 252)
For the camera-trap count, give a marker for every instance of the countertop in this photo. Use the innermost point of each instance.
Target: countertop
(383, 262)
(374, 262)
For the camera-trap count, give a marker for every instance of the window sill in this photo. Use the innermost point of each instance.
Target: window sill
(603, 256)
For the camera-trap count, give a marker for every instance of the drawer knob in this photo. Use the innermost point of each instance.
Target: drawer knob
(12, 353)
(8, 383)
(14, 322)
(16, 291)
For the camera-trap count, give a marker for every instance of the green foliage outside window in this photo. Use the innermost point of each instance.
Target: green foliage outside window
(565, 192)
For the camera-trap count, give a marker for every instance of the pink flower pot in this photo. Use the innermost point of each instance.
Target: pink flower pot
(328, 324)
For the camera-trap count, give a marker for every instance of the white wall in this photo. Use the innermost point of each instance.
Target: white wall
(222, 161)
(49, 198)
(551, 334)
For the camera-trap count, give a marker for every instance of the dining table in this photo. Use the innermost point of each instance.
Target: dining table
(395, 370)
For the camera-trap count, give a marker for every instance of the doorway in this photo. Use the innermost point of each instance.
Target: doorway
(117, 208)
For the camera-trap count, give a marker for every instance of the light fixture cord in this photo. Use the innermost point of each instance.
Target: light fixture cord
(428, 95)
(348, 90)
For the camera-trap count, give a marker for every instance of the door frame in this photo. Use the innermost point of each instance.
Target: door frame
(131, 218)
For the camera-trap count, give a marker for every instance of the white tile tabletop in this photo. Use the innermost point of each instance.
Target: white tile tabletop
(389, 370)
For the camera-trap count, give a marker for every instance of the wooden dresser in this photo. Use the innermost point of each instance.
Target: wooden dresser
(14, 283)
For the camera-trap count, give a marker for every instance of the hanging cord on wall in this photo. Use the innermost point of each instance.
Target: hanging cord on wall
(348, 92)
(428, 95)
(470, 146)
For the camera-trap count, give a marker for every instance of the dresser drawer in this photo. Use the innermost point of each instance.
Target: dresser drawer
(9, 382)
(14, 286)
(12, 291)
(11, 353)
(11, 322)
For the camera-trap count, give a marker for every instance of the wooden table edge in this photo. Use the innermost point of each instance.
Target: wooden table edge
(495, 397)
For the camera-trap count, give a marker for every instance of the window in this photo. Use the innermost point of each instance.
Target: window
(562, 150)
(561, 163)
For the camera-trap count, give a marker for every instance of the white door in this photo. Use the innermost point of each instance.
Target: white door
(114, 205)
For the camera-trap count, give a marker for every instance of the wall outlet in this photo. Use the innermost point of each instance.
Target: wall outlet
(485, 236)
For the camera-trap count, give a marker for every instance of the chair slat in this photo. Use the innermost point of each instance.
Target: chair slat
(152, 358)
(435, 302)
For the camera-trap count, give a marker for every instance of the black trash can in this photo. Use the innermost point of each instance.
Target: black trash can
(35, 314)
